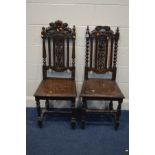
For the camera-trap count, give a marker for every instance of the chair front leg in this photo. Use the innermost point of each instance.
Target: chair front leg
(47, 104)
(111, 105)
(118, 114)
(83, 115)
(39, 120)
(73, 119)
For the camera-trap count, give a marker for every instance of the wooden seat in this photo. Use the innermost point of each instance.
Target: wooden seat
(56, 87)
(101, 58)
(103, 88)
(58, 57)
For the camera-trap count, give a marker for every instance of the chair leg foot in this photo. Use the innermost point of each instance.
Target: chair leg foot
(40, 124)
(118, 114)
(116, 125)
(73, 124)
(73, 114)
(83, 124)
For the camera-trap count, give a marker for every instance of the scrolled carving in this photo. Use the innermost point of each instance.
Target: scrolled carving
(59, 52)
(58, 27)
(102, 36)
(103, 48)
(102, 31)
(101, 54)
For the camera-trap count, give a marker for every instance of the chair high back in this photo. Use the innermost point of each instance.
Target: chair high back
(101, 51)
(57, 40)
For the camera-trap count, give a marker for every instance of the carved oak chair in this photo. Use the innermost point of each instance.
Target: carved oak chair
(101, 57)
(58, 56)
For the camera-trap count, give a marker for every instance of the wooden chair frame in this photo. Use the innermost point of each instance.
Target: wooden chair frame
(60, 35)
(105, 59)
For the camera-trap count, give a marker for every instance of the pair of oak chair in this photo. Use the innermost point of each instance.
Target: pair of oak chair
(59, 56)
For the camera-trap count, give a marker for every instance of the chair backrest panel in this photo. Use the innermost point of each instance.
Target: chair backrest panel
(101, 50)
(58, 49)
(57, 40)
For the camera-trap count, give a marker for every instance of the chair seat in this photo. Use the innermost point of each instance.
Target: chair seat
(103, 88)
(56, 87)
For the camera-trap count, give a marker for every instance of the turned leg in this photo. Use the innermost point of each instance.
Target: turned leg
(47, 104)
(73, 117)
(111, 105)
(39, 120)
(118, 114)
(83, 116)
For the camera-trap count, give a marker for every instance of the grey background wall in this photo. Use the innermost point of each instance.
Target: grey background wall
(80, 13)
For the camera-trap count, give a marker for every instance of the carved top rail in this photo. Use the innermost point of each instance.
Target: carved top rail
(102, 31)
(58, 28)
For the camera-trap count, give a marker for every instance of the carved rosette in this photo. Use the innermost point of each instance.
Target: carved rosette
(58, 26)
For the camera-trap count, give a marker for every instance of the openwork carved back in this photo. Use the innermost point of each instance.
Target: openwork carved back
(58, 48)
(101, 50)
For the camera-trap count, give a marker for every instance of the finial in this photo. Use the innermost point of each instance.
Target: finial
(43, 28)
(87, 32)
(43, 32)
(74, 34)
(117, 30)
(117, 33)
(74, 28)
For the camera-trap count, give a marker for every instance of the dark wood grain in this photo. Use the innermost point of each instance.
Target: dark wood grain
(56, 87)
(101, 88)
